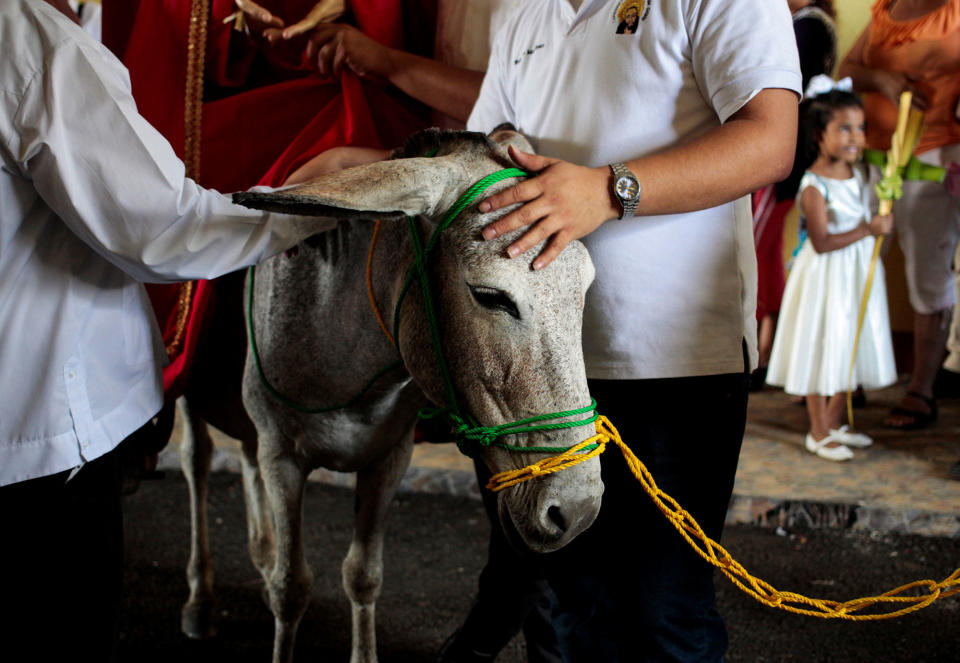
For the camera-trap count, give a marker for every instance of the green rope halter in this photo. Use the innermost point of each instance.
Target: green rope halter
(469, 434)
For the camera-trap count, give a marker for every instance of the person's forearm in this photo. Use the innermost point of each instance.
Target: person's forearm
(752, 149)
(127, 197)
(864, 79)
(448, 89)
(827, 242)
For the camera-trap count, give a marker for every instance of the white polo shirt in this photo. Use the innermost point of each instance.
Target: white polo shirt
(674, 295)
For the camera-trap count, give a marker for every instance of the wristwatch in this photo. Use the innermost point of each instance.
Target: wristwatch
(626, 188)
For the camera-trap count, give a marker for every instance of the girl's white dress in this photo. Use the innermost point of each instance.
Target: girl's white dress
(818, 314)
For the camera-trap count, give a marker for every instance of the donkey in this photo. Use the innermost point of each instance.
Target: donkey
(323, 388)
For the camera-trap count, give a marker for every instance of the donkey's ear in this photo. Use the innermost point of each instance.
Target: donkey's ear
(379, 190)
(505, 135)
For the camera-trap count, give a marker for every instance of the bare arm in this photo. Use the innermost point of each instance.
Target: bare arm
(450, 90)
(888, 83)
(815, 210)
(565, 202)
(334, 159)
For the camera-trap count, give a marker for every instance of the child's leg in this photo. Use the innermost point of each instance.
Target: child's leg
(819, 412)
(836, 405)
(836, 408)
(816, 412)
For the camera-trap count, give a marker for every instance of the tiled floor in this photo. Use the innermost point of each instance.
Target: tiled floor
(898, 484)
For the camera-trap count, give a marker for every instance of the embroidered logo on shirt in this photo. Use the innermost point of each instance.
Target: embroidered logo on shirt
(629, 14)
(529, 51)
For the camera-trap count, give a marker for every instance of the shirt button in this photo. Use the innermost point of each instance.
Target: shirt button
(72, 375)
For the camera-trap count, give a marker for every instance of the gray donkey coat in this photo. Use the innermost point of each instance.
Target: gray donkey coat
(511, 337)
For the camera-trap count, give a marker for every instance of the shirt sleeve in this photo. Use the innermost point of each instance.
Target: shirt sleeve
(741, 48)
(117, 183)
(811, 180)
(493, 107)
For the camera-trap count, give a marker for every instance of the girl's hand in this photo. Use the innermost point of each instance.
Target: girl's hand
(881, 225)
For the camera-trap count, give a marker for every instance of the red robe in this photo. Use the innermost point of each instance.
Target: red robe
(265, 112)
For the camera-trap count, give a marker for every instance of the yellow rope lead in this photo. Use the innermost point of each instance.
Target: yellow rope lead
(716, 555)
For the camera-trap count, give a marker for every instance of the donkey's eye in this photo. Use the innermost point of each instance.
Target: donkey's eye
(494, 300)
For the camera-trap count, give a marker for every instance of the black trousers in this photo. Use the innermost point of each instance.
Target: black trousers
(61, 563)
(630, 589)
(512, 595)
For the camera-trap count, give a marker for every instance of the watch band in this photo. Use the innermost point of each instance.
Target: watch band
(626, 189)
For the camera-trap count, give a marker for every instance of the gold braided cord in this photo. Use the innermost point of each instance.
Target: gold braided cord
(711, 551)
(193, 102)
(184, 296)
(192, 127)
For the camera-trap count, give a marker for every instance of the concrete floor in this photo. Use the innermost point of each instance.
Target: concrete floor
(899, 485)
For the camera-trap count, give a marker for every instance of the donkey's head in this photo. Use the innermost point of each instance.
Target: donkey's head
(509, 336)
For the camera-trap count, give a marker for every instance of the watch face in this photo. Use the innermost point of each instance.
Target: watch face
(627, 188)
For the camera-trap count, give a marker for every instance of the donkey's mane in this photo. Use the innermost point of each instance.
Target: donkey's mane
(437, 142)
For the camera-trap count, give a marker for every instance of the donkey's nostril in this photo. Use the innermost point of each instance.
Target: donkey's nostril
(556, 516)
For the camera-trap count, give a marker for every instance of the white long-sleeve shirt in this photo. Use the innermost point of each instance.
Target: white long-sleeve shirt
(93, 200)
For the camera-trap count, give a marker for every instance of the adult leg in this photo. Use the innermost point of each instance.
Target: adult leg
(63, 560)
(928, 223)
(949, 378)
(512, 594)
(631, 588)
(917, 408)
(947, 382)
(766, 330)
(768, 219)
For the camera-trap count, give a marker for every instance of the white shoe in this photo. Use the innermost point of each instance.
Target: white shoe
(849, 438)
(820, 448)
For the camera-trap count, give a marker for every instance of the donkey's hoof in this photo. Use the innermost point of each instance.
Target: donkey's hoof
(196, 620)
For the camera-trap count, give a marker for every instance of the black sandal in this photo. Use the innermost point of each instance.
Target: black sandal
(920, 419)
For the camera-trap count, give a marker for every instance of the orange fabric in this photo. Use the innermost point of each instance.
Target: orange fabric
(928, 50)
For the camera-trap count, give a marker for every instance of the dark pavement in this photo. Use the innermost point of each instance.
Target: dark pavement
(435, 548)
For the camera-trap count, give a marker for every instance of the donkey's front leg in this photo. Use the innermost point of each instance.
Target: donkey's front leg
(363, 566)
(291, 580)
(260, 541)
(196, 450)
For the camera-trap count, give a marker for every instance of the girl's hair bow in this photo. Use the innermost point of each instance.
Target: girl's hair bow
(821, 84)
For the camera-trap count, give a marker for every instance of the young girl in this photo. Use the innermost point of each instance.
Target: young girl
(813, 345)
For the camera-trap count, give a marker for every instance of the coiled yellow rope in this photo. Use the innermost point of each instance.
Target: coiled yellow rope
(896, 599)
